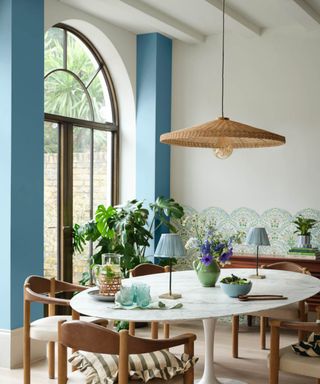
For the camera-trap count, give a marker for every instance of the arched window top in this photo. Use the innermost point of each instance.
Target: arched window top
(77, 83)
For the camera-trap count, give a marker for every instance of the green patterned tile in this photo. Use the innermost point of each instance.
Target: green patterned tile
(277, 221)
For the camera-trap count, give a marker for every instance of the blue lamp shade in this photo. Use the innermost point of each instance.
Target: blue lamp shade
(257, 236)
(170, 245)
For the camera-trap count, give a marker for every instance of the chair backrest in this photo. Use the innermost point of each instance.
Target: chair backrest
(38, 288)
(43, 290)
(94, 338)
(287, 266)
(148, 269)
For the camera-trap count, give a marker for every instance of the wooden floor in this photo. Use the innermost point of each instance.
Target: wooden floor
(251, 367)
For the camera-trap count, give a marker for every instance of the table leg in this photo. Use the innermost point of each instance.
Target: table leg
(209, 376)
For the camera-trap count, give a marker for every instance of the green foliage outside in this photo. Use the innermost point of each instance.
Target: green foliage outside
(65, 95)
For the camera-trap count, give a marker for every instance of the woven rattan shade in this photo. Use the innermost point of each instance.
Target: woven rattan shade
(222, 131)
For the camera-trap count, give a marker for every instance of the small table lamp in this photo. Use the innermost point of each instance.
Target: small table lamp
(257, 236)
(170, 245)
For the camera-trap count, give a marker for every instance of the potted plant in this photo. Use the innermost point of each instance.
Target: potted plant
(235, 286)
(303, 229)
(126, 230)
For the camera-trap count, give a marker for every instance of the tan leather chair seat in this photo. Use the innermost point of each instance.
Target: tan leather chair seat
(79, 378)
(46, 328)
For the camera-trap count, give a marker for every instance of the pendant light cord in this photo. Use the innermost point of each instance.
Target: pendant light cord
(222, 55)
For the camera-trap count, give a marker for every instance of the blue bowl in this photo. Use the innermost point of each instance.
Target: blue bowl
(235, 290)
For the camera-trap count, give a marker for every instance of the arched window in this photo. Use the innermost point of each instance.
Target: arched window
(80, 145)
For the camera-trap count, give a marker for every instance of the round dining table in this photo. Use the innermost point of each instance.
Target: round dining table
(203, 303)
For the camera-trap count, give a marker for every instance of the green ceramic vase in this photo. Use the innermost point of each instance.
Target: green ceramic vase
(207, 275)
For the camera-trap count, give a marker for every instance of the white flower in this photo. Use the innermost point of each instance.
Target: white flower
(192, 243)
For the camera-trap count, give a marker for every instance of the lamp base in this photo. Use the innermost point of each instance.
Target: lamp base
(173, 296)
(257, 276)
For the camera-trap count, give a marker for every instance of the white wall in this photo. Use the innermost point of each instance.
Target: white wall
(272, 82)
(118, 49)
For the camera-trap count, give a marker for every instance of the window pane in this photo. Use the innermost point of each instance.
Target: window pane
(64, 96)
(53, 42)
(102, 168)
(51, 135)
(81, 192)
(101, 100)
(80, 60)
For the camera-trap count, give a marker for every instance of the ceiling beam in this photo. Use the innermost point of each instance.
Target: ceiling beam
(303, 13)
(238, 17)
(167, 24)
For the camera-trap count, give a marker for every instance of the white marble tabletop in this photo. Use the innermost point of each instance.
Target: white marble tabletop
(200, 302)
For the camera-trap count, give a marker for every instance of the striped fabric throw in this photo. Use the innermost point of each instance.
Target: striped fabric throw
(103, 369)
(309, 348)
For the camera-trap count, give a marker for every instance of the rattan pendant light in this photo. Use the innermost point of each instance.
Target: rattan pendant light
(223, 134)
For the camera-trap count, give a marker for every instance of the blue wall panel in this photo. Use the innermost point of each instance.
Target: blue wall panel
(154, 67)
(23, 66)
(5, 162)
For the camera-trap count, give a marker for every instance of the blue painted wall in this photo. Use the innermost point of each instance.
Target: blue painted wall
(154, 68)
(21, 151)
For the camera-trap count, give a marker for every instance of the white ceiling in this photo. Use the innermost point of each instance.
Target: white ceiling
(192, 20)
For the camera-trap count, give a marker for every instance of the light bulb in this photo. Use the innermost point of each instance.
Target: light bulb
(223, 152)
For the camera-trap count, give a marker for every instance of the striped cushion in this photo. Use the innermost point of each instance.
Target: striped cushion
(103, 369)
(309, 348)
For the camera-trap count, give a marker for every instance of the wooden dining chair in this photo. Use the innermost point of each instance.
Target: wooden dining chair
(295, 311)
(285, 359)
(96, 339)
(42, 290)
(143, 270)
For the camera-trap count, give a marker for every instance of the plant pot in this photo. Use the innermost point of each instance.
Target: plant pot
(207, 275)
(304, 241)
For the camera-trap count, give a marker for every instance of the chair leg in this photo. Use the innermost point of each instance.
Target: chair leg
(132, 328)
(302, 335)
(235, 336)
(166, 330)
(154, 329)
(274, 356)
(249, 320)
(26, 360)
(62, 359)
(51, 359)
(263, 327)
(26, 344)
(318, 381)
(188, 377)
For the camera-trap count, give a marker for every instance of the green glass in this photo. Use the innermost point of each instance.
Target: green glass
(142, 295)
(207, 275)
(126, 295)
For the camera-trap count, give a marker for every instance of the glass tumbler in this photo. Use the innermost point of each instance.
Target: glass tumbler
(142, 295)
(126, 295)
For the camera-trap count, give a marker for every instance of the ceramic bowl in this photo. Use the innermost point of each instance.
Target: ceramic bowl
(235, 290)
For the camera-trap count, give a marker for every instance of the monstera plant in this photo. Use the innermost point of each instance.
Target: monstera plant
(125, 229)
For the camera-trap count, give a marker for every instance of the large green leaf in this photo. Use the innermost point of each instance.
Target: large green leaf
(165, 209)
(103, 219)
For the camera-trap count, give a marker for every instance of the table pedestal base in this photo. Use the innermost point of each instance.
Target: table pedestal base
(209, 376)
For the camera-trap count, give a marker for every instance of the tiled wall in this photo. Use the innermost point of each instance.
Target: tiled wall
(277, 222)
